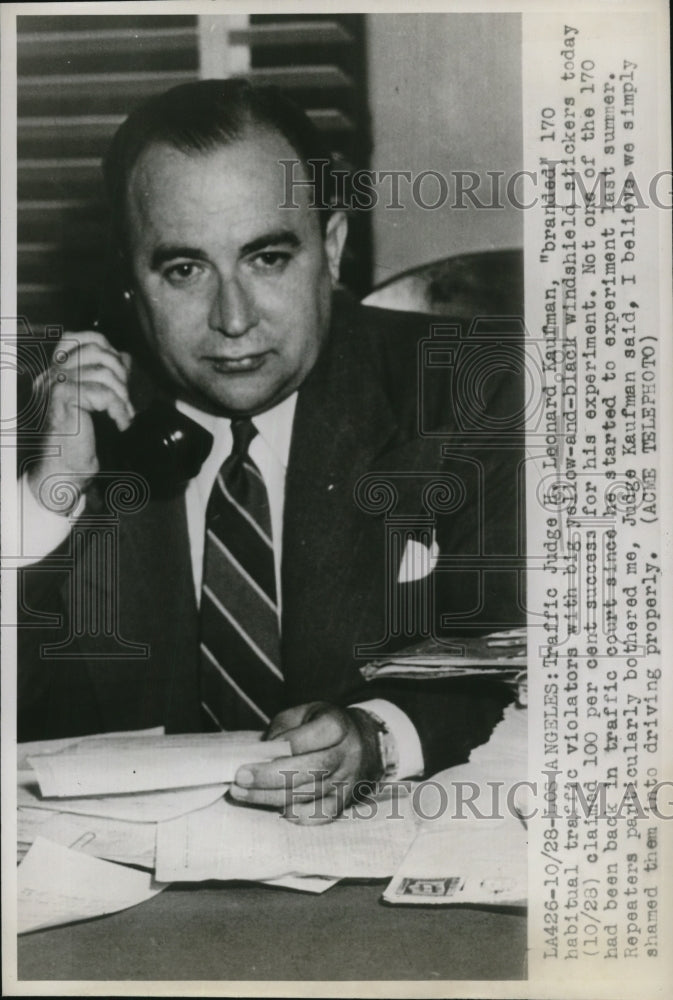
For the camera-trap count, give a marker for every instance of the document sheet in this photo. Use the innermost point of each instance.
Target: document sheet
(468, 861)
(139, 807)
(472, 845)
(112, 839)
(147, 763)
(148, 807)
(229, 841)
(57, 885)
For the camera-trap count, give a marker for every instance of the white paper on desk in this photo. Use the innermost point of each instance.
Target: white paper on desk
(28, 825)
(57, 885)
(113, 766)
(152, 807)
(112, 839)
(458, 857)
(468, 861)
(230, 841)
(316, 884)
(140, 807)
(126, 843)
(503, 759)
(26, 750)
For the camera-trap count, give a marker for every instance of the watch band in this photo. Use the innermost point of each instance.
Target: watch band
(387, 747)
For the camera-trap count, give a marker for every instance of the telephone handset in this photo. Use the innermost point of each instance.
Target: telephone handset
(163, 445)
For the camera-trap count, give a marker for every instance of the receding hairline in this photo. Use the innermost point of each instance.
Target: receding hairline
(133, 198)
(250, 133)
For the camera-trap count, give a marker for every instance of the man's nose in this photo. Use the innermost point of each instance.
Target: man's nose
(232, 311)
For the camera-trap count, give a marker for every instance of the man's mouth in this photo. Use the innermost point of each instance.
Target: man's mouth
(229, 365)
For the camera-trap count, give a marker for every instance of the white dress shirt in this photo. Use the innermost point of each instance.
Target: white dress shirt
(269, 450)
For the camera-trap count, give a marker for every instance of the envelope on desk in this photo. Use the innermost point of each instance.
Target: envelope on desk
(470, 861)
(459, 857)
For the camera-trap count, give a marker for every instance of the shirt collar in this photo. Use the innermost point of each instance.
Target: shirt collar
(274, 426)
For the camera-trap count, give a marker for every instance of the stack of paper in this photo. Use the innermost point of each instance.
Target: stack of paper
(99, 818)
(120, 827)
(63, 815)
(500, 654)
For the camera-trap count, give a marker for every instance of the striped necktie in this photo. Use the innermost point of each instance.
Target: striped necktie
(241, 680)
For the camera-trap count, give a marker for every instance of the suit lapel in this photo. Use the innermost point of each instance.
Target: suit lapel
(334, 546)
(342, 421)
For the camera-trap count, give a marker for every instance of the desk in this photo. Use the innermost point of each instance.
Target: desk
(217, 931)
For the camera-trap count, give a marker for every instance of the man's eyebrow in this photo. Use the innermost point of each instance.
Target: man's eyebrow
(278, 237)
(285, 237)
(162, 254)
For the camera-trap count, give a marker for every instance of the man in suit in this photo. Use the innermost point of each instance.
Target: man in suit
(234, 292)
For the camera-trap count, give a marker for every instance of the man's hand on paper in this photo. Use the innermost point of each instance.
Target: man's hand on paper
(332, 749)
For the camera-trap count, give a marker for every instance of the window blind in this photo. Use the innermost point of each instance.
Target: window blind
(79, 76)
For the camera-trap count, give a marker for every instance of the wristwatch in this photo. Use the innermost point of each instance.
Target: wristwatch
(387, 748)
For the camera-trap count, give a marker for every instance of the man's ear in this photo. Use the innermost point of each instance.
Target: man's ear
(335, 238)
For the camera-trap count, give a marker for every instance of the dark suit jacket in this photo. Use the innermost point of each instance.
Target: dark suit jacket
(379, 420)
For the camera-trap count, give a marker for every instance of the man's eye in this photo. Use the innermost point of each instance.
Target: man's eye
(271, 260)
(178, 274)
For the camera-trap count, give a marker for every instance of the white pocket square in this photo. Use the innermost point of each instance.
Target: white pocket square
(418, 560)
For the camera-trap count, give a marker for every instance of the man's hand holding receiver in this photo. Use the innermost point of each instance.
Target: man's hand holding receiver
(87, 376)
